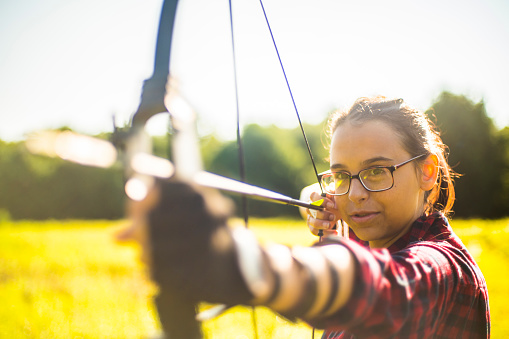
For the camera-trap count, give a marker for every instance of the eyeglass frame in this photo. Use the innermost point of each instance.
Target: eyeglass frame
(356, 176)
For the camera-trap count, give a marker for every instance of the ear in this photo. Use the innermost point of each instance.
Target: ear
(429, 172)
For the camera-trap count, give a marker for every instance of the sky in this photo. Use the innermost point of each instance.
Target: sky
(77, 63)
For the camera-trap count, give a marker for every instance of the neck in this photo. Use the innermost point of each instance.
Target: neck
(386, 242)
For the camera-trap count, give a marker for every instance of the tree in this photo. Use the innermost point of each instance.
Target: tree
(37, 187)
(275, 159)
(475, 154)
(503, 144)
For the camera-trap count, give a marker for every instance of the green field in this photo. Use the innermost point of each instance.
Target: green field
(71, 280)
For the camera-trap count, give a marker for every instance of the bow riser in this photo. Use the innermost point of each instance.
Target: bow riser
(176, 310)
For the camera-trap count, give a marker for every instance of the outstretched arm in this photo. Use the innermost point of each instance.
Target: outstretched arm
(194, 252)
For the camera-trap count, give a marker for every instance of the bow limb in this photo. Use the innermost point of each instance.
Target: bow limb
(176, 311)
(154, 88)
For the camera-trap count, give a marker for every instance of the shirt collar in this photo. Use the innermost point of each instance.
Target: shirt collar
(427, 227)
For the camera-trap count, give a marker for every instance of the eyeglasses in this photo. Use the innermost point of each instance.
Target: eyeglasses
(373, 179)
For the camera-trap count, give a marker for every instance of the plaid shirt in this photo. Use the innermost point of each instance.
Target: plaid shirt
(425, 285)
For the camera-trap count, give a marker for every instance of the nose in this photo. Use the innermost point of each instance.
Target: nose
(357, 192)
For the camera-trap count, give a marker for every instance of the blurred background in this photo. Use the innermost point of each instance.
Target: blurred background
(73, 64)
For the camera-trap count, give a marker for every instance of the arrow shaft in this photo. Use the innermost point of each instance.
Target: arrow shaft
(226, 184)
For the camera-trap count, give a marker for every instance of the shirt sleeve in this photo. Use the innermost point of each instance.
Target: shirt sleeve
(406, 292)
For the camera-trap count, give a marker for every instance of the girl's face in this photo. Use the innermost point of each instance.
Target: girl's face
(378, 217)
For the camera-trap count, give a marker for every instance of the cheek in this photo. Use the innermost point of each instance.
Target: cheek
(341, 203)
(405, 192)
(401, 202)
(394, 200)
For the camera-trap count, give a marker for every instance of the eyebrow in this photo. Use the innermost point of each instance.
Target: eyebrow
(366, 162)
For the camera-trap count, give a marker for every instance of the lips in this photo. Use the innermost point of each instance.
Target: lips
(362, 216)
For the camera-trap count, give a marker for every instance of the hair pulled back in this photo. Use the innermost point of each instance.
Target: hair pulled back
(418, 136)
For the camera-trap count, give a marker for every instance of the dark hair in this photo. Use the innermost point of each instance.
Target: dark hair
(418, 136)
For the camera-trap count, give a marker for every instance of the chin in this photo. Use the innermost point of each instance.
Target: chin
(364, 234)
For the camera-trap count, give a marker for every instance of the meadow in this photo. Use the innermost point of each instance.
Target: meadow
(70, 279)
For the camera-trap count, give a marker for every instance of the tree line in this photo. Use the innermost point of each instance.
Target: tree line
(37, 187)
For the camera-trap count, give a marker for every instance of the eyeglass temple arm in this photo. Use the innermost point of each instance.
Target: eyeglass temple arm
(395, 167)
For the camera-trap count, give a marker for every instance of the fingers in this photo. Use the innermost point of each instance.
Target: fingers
(328, 202)
(329, 205)
(324, 221)
(317, 221)
(137, 231)
(322, 215)
(305, 195)
(317, 225)
(137, 212)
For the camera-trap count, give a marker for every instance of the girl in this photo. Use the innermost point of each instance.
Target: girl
(402, 274)
(390, 183)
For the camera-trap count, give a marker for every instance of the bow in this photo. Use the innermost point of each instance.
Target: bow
(177, 313)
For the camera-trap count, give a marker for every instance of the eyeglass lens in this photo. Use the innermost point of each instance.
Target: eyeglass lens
(373, 179)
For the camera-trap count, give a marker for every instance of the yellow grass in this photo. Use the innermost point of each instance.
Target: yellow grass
(71, 280)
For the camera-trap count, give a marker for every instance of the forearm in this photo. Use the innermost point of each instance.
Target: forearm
(304, 282)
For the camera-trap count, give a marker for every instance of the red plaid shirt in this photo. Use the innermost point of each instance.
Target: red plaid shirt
(425, 285)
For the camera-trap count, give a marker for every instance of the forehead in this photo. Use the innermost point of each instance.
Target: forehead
(353, 144)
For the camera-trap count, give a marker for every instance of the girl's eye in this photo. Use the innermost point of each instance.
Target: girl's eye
(341, 176)
(376, 172)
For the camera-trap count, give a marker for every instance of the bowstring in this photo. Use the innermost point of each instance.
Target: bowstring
(291, 96)
(242, 170)
(296, 112)
(239, 138)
